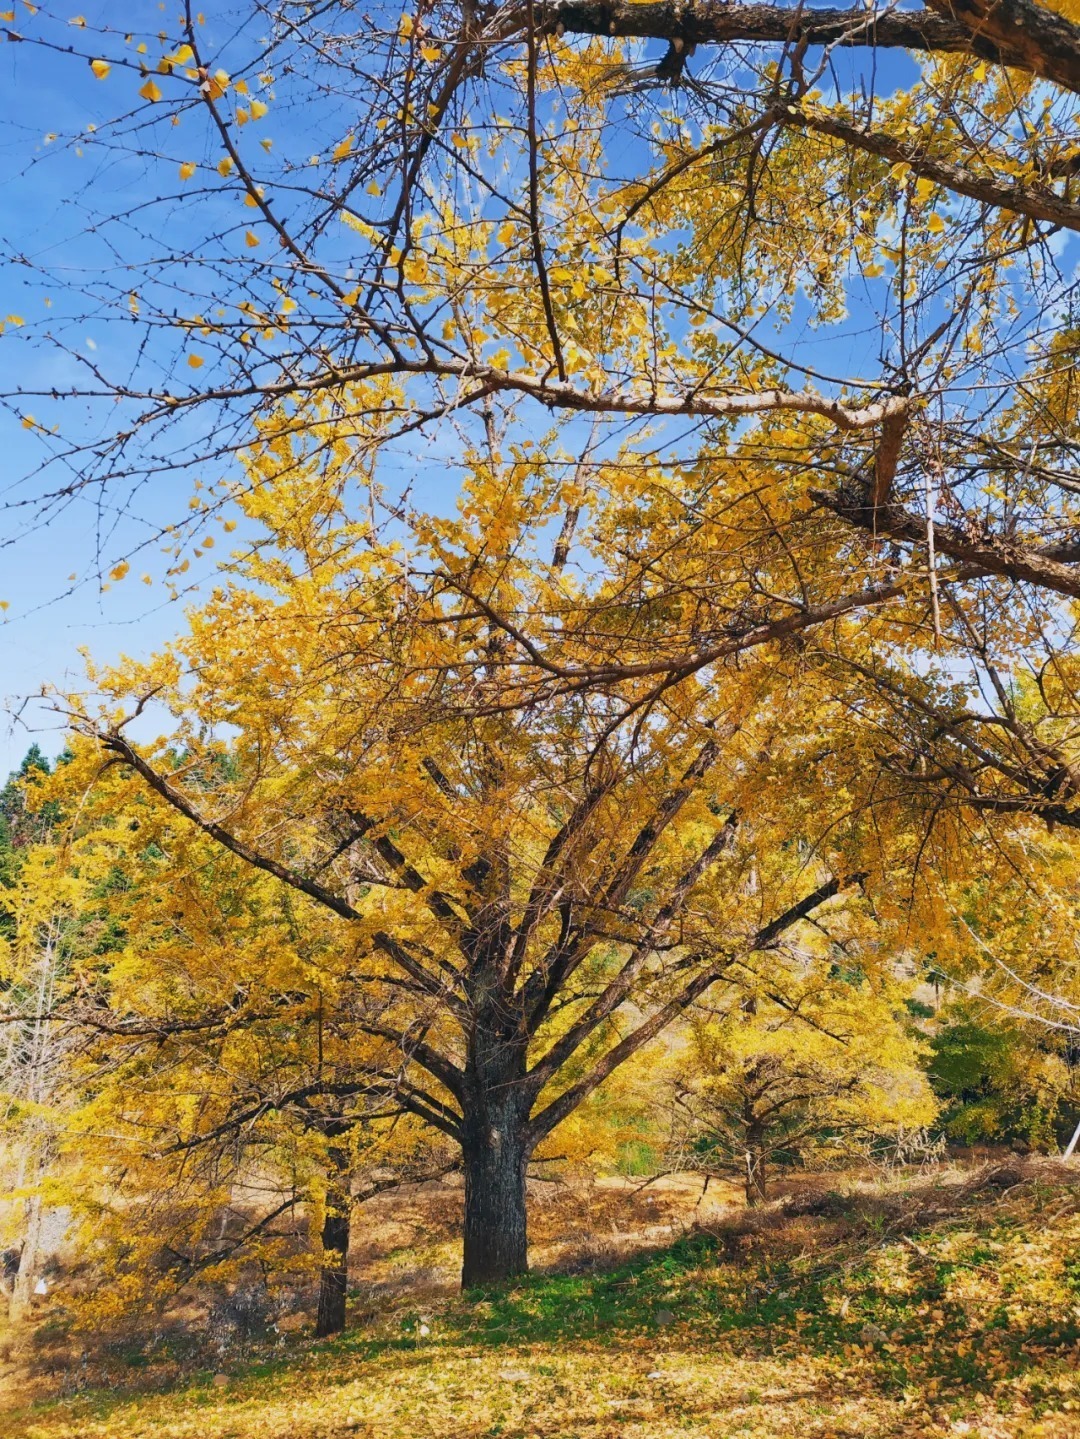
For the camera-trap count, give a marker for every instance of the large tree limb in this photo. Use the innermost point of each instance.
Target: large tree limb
(575, 677)
(115, 743)
(554, 1113)
(618, 990)
(1034, 200)
(619, 399)
(1012, 32)
(1020, 33)
(717, 23)
(437, 1065)
(1053, 567)
(645, 840)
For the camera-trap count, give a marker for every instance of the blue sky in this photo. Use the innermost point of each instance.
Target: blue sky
(47, 192)
(49, 616)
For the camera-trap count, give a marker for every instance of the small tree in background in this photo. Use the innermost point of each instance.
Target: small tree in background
(807, 1077)
(40, 935)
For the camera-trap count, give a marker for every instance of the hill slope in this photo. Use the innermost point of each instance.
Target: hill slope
(947, 1304)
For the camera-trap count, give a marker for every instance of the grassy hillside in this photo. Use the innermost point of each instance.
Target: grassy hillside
(947, 1304)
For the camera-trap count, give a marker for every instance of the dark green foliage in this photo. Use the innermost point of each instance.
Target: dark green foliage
(995, 1082)
(20, 824)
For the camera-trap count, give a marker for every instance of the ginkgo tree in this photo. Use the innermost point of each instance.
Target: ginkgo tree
(531, 876)
(818, 1070)
(538, 756)
(230, 1082)
(530, 224)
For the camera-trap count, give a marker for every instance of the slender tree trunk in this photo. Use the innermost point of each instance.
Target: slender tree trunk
(495, 1153)
(23, 1288)
(37, 1154)
(334, 1278)
(755, 1165)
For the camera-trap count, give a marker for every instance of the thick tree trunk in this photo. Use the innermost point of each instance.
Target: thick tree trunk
(495, 1153)
(334, 1278)
(496, 1242)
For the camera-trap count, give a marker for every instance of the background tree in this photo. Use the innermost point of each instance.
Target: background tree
(818, 1073)
(229, 1079)
(41, 935)
(1001, 1082)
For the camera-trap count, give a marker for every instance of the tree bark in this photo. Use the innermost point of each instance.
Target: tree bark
(334, 1277)
(1020, 33)
(23, 1288)
(496, 1237)
(495, 1151)
(756, 1189)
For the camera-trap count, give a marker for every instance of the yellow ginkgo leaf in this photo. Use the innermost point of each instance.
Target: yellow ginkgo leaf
(251, 239)
(217, 84)
(242, 115)
(187, 169)
(229, 526)
(430, 53)
(935, 224)
(119, 571)
(195, 361)
(150, 92)
(225, 166)
(258, 109)
(100, 68)
(343, 149)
